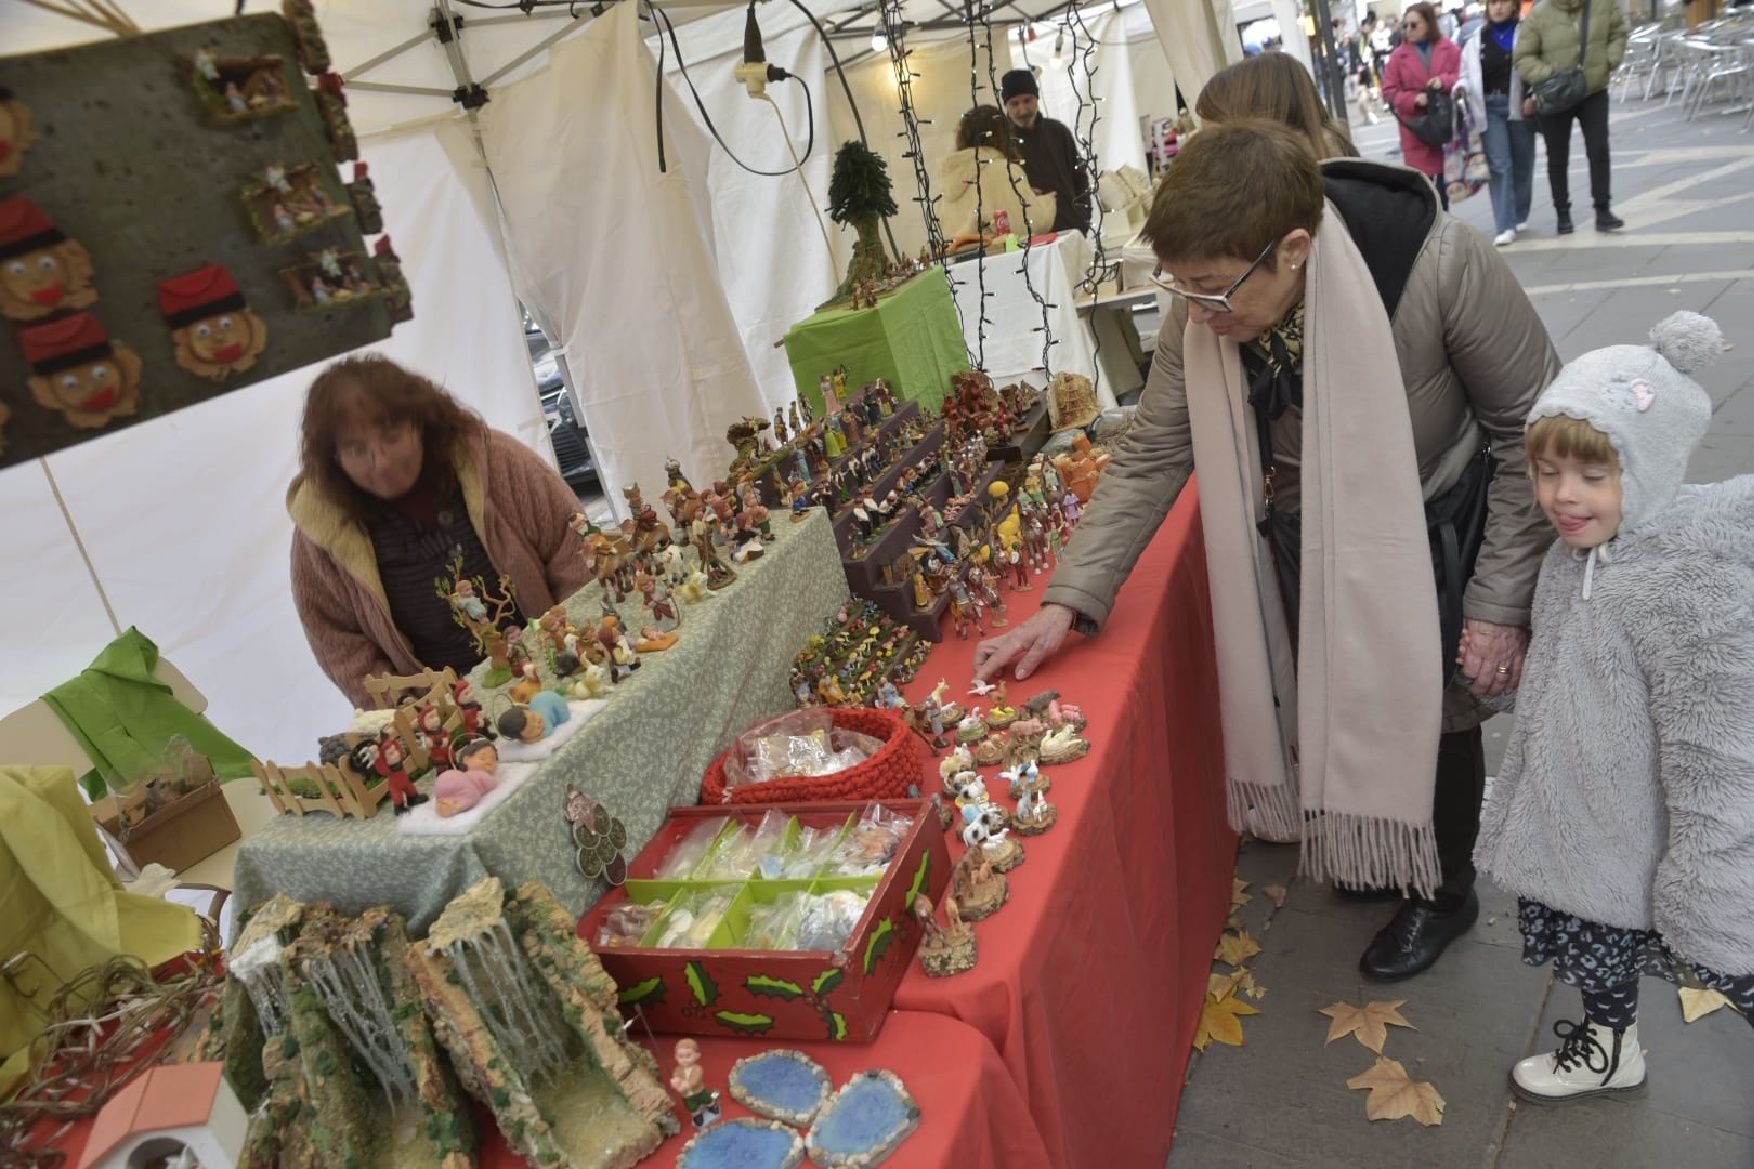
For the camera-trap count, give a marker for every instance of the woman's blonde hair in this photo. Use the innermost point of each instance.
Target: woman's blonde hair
(1566, 437)
(1274, 86)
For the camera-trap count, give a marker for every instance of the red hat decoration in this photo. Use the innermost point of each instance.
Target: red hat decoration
(24, 227)
(207, 291)
(65, 344)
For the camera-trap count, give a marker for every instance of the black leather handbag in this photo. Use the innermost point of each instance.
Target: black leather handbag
(1563, 91)
(1437, 125)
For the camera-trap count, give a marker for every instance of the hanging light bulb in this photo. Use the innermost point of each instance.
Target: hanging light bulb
(1059, 42)
(879, 42)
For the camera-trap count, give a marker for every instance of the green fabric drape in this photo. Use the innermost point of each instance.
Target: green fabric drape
(123, 716)
(912, 339)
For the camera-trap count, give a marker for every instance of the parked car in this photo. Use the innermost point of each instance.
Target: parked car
(571, 450)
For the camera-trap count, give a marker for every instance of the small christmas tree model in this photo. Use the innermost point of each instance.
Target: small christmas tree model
(859, 195)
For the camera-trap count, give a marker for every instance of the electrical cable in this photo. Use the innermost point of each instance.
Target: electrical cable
(802, 177)
(775, 73)
(852, 104)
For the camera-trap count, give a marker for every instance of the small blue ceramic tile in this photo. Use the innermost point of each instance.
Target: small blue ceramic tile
(743, 1144)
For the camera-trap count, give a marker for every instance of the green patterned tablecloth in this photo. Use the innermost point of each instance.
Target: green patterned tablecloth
(912, 338)
(644, 752)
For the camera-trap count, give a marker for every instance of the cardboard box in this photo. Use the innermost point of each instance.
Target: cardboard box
(182, 833)
(726, 989)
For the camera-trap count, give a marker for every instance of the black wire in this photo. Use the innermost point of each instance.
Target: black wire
(809, 107)
(980, 260)
(852, 104)
(1047, 333)
(658, 95)
(1098, 261)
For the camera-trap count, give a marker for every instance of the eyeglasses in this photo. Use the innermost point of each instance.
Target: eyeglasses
(1219, 303)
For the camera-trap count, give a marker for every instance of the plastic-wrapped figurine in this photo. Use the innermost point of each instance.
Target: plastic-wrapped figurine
(457, 791)
(688, 1080)
(944, 950)
(392, 764)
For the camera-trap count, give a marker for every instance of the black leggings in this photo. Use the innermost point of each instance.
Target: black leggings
(1592, 115)
(1618, 1008)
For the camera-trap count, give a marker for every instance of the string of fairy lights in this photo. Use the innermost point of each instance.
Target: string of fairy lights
(1084, 62)
(980, 211)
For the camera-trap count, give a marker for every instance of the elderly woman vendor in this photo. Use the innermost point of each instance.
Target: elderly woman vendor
(1350, 369)
(399, 482)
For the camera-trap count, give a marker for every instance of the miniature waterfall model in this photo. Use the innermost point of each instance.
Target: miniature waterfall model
(332, 1023)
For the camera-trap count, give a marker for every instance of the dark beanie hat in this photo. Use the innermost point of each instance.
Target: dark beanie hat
(1017, 81)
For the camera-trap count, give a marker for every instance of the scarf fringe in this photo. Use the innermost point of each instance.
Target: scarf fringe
(1270, 811)
(1370, 852)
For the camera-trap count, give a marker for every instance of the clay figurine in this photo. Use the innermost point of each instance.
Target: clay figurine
(455, 792)
(977, 888)
(688, 1080)
(392, 764)
(430, 723)
(469, 710)
(1063, 745)
(1034, 815)
(944, 950)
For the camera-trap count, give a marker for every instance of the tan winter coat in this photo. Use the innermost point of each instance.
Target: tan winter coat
(1473, 353)
(517, 504)
(1546, 41)
(1030, 213)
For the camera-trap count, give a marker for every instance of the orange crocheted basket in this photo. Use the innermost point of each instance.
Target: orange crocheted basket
(897, 766)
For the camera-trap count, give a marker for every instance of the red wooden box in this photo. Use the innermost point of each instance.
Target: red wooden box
(725, 989)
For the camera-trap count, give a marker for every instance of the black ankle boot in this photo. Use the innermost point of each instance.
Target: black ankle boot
(1416, 938)
(1606, 220)
(1564, 222)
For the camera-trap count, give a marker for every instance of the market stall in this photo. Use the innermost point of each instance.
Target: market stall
(1092, 978)
(643, 751)
(910, 339)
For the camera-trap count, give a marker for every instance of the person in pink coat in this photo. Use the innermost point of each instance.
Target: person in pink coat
(1425, 61)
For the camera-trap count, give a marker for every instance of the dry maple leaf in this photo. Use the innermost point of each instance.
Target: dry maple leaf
(1277, 893)
(1697, 1004)
(1255, 992)
(1394, 1094)
(1370, 1024)
(1220, 985)
(1237, 948)
(1235, 921)
(1239, 897)
(1219, 1020)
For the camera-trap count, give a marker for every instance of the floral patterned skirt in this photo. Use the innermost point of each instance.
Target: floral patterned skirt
(1598, 958)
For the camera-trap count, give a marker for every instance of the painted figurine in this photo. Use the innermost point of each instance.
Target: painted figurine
(944, 950)
(392, 764)
(688, 1080)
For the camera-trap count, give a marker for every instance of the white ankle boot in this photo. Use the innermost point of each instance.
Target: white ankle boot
(1591, 1060)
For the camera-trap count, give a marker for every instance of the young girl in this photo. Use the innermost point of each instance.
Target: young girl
(1624, 813)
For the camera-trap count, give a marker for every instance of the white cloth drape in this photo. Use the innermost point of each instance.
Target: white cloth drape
(185, 519)
(615, 256)
(1198, 38)
(772, 237)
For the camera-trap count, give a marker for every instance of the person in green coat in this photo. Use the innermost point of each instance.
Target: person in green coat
(1547, 44)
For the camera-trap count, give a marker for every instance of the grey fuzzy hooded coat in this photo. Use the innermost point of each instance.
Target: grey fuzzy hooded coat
(1627, 793)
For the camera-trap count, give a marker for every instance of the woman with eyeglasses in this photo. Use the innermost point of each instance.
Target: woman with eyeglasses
(398, 482)
(1351, 381)
(1426, 62)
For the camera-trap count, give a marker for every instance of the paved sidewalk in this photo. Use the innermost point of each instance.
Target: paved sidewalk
(1686, 191)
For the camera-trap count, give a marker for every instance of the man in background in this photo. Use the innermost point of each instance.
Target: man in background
(1050, 153)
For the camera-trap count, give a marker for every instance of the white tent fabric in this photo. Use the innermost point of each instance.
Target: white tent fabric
(184, 517)
(774, 245)
(613, 256)
(1198, 37)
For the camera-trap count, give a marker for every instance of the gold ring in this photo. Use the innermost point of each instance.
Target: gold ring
(1504, 669)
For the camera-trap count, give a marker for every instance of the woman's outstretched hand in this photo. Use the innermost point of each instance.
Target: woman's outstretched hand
(1029, 644)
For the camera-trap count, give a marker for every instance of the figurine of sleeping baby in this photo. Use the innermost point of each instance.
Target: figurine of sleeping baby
(457, 791)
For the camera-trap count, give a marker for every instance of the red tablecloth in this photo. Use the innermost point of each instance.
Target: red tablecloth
(971, 1116)
(1091, 979)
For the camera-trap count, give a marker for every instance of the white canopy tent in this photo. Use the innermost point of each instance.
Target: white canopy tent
(665, 291)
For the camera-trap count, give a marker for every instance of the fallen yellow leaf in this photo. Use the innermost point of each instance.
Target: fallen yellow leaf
(1219, 985)
(1394, 1094)
(1696, 1004)
(1370, 1024)
(1219, 1020)
(1277, 893)
(1235, 922)
(1256, 992)
(1237, 948)
(1238, 895)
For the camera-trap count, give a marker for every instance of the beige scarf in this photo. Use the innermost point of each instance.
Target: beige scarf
(1352, 770)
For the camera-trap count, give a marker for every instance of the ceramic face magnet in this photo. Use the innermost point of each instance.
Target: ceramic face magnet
(78, 370)
(41, 270)
(215, 332)
(16, 134)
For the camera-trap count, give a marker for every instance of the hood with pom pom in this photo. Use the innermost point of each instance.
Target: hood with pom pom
(1642, 398)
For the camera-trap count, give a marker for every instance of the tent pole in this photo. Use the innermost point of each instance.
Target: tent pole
(79, 543)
